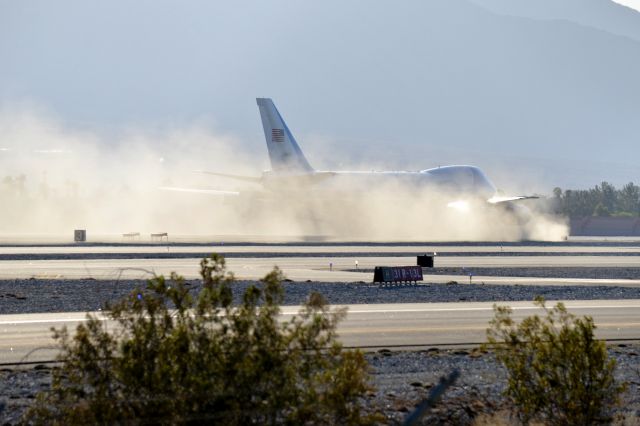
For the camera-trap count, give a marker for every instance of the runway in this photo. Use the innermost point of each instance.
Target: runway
(27, 337)
(66, 239)
(409, 249)
(328, 269)
(366, 325)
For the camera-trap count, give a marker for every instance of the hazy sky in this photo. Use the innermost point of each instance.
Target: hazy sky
(362, 84)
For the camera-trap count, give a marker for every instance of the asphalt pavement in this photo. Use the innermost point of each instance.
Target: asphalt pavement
(27, 337)
(327, 269)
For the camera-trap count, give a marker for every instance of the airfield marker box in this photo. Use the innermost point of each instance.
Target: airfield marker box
(425, 261)
(397, 274)
(80, 235)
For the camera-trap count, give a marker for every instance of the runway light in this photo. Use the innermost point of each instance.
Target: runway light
(460, 205)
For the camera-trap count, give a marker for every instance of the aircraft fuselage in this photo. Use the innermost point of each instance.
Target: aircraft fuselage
(454, 181)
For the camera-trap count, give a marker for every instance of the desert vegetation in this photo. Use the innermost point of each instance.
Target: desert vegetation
(558, 372)
(174, 358)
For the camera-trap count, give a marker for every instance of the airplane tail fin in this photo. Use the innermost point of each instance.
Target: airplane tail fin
(284, 152)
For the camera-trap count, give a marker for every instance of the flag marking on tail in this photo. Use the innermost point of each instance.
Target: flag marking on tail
(277, 135)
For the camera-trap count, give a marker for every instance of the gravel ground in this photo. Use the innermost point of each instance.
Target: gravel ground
(34, 296)
(596, 272)
(402, 380)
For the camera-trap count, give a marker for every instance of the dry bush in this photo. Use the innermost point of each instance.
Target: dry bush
(558, 373)
(174, 358)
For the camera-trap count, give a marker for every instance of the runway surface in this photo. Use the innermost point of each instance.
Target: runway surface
(310, 249)
(27, 337)
(185, 239)
(366, 325)
(328, 269)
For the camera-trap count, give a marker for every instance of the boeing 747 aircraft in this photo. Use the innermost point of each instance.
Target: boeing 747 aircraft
(291, 172)
(448, 202)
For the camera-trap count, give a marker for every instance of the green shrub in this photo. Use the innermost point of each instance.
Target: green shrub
(558, 373)
(173, 358)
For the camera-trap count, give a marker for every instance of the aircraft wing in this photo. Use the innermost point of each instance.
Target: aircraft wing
(200, 191)
(299, 178)
(253, 179)
(505, 199)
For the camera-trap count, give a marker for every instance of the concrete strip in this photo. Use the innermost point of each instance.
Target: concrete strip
(28, 336)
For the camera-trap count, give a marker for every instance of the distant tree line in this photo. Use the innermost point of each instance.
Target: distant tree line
(601, 200)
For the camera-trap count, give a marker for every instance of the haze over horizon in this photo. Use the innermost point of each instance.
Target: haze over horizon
(538, 94)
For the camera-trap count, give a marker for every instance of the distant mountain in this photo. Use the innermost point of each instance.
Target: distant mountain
(450, 81)
(547, 88)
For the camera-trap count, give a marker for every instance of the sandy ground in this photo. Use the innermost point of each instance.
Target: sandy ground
(401, 380)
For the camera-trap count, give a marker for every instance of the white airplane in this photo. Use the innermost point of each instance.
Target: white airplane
(291, 173)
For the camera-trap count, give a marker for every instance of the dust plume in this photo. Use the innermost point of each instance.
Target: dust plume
(398, 211)
(55, 179)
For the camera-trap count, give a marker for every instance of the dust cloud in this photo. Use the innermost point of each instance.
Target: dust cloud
(398, 211)
(54, 179)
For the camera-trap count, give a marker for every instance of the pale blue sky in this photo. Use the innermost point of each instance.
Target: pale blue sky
(405, 85)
